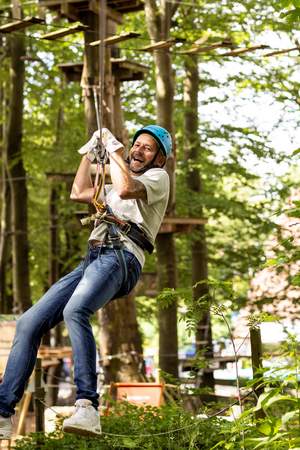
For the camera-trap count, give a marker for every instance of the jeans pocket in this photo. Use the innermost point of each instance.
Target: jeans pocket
(133, 274)
(134, 271)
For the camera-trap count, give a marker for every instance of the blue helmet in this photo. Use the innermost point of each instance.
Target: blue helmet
(160, 134)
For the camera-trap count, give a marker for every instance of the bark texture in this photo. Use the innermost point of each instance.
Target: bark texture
(199, 247)
(17, 178)
(5, 301)
(120, 342)
(158, 24)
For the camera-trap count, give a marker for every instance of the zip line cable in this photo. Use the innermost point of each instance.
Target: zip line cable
(175, 430)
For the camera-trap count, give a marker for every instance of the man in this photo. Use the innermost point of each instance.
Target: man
(136, 201)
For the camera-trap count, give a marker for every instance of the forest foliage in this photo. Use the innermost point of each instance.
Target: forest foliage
(247, 103)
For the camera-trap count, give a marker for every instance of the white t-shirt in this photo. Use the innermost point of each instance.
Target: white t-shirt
(147, 214)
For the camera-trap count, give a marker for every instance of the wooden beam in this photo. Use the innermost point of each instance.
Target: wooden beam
(111, 13)
(20, 24)
(180, 224)
(64, 32)
(281, 52)
(122, 68)
(159, 45)
(241, 51)
(126, 6)
(70, 11)
(117, 38)
(127, 64)
(207, 48)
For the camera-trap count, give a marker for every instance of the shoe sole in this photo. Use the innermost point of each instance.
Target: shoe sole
(81, 431)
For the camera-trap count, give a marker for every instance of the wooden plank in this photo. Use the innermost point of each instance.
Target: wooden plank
(23, 413)
(54, 352)
(281, 52)
(127, 64)
(241, 51)
(117, 38)
(126, 6)
(122, 68)
(158, 45)
(196, 48)
(20, 24)
(126, 70)
(64, 32)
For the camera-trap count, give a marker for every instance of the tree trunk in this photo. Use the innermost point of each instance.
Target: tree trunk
(158, 24)
(5, 223)
(198, 247)
(17, 177)
(119, 329)
(120, 342)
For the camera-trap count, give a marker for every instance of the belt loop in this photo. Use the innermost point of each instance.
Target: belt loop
(86, 259)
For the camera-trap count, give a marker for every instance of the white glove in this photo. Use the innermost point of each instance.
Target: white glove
(92, 147)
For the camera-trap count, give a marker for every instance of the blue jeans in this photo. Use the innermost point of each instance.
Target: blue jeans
(74, 298)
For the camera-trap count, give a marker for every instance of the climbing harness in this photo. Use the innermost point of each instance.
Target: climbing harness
(128, 228)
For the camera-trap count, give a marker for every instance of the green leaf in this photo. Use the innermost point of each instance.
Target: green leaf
(295, 281)
(296, 152)
(265, 428)
(129, 443)
(289, 416)
(279, 398)
(296, 3)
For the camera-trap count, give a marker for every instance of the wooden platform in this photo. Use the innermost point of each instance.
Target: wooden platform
(50, 355)
(122, 68)
(74, 9)
(180, 224)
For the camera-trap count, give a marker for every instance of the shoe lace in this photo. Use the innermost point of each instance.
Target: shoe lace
(80, 410)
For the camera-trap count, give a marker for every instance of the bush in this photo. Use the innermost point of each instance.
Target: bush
(128, 426)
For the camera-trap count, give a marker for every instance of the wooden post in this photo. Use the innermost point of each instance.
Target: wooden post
(23, 412)
(256, 358)
(39, 395)
(53, 238)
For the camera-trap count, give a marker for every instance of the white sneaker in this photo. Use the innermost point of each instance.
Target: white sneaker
(85, 420)
(5, 427)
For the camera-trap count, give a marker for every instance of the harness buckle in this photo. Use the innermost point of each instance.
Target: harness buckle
(126, 228)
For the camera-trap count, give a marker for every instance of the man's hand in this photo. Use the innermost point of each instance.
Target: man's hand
(93, 146)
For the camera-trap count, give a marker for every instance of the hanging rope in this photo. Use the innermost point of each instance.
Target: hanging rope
(98, 104)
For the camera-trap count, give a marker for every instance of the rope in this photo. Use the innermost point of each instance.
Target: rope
(175, 430)
(101, 159)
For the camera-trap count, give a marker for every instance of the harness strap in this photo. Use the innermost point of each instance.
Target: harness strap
(114, 237)
(130, 229)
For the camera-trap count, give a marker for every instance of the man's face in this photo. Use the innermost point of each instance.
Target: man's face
(143, 151)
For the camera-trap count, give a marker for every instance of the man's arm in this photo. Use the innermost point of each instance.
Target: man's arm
(126, 186)
(82, 188)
